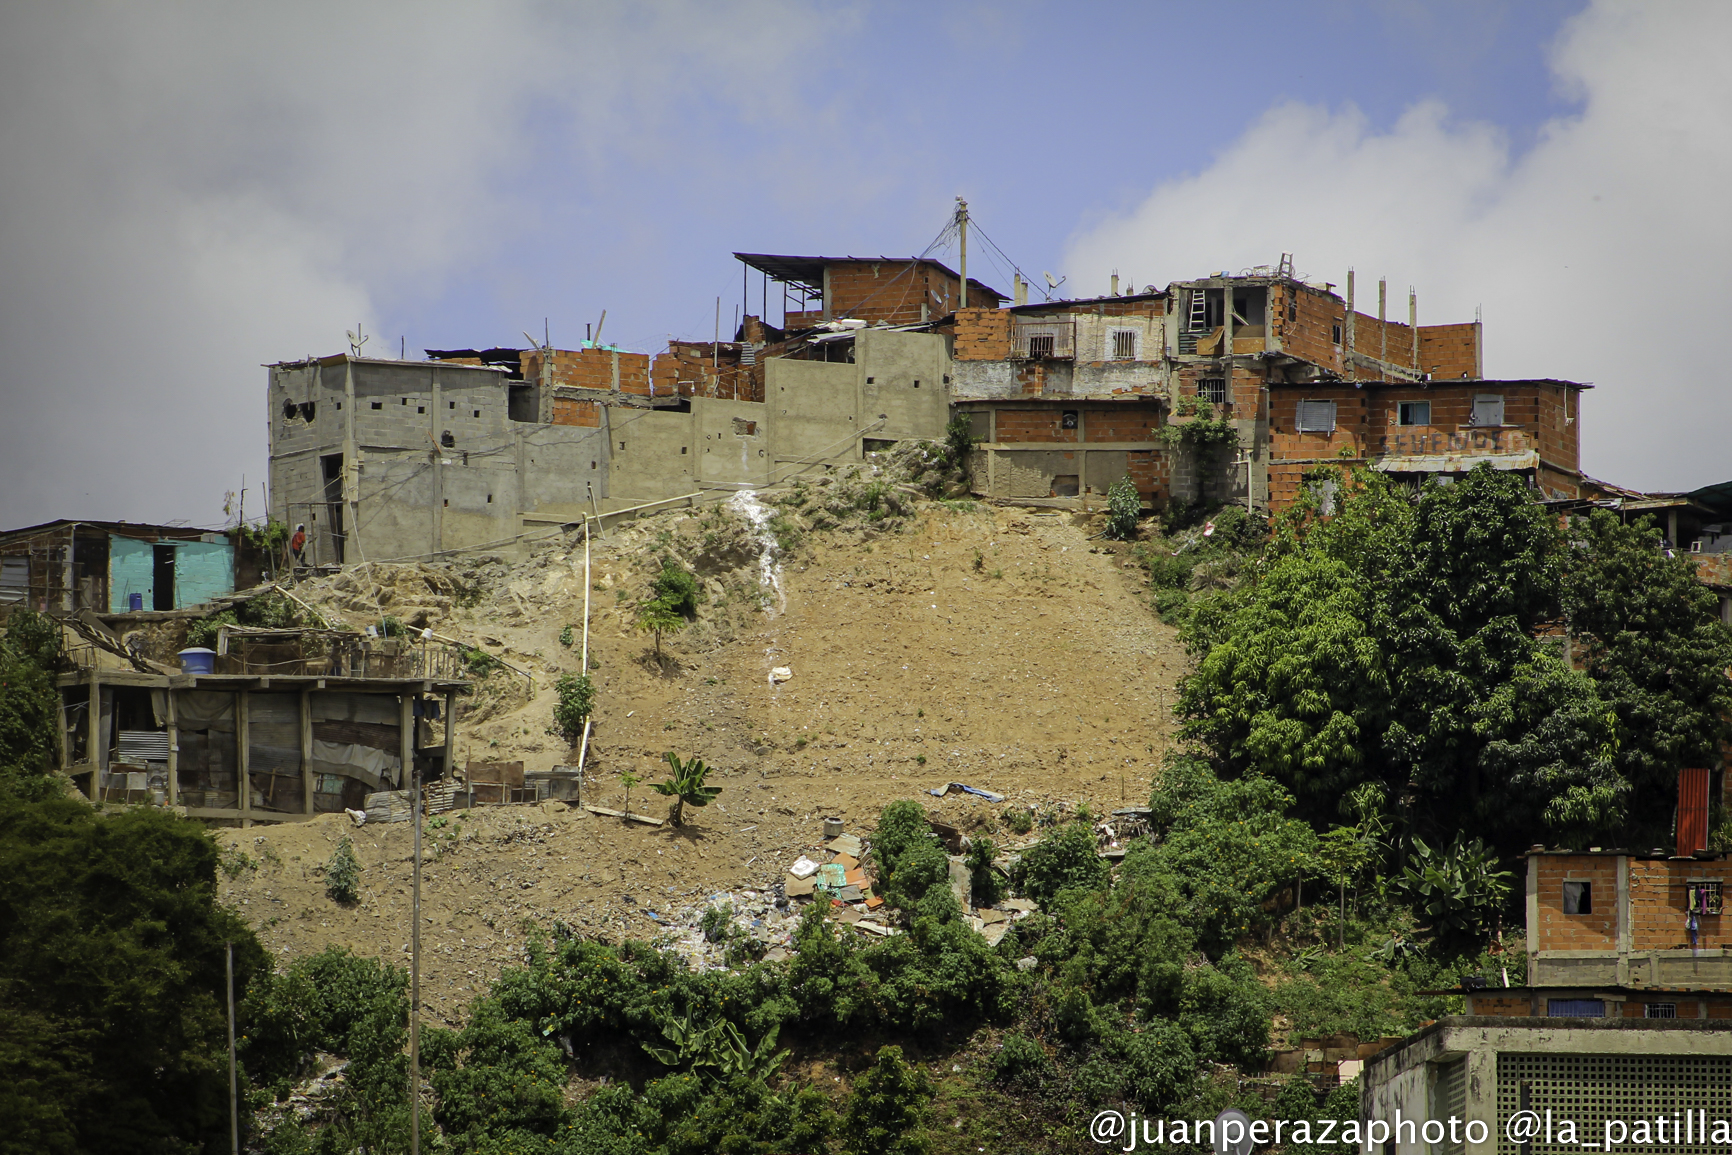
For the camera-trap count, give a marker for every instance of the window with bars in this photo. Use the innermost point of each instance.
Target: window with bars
(1660, 1010)
(1213, 390)
(1040, 346)
(1124, 344)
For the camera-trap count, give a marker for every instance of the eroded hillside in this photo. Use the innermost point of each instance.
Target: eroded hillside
(1006, 648)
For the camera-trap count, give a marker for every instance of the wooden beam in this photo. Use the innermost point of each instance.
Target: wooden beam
(93, 751)
(173, 751)
(307, 750)
(244, 797)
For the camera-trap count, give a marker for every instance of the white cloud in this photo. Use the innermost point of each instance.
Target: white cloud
(1597, 255)
(191, 189)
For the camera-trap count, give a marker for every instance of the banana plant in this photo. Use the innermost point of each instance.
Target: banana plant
(686, 786)
(718, 1050)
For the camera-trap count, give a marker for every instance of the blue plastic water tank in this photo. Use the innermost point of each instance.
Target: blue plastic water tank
(135, 602)
(198, 661)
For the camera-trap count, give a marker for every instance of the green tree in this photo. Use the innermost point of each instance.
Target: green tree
(685, 786)
(29, 722)
(1395, 642)
(112, 974)
(888, 1108)
(1650, 635)
(656, 617)
(343, 874)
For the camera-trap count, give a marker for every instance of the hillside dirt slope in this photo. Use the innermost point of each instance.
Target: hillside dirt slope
(1006, 648)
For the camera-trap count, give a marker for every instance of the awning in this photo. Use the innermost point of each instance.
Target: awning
(1457, 462)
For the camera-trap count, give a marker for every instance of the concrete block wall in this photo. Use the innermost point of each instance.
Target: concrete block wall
(733, 442)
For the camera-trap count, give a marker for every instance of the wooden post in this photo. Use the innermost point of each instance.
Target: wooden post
(450, 733)
(307, 749)
(407, 716)
(244, 795)
(173, 748)
(93, 748)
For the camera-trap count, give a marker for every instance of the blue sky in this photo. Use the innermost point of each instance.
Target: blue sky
(211, 186)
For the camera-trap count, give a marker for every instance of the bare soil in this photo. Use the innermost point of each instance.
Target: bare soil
(1000, 647)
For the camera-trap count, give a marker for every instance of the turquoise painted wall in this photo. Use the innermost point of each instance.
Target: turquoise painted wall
(202, 570)
(131, 570)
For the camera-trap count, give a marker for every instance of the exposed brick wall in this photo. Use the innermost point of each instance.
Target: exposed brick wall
(1657, 905)
(1560, 931)
(1449, 351)
(894, 290)
(1311, 333)
(1352, 423)
(1127, 422)
(568, 411)
(983, 335)
(1501, 1005)
(1032, 425)
(1718, 1009)
(694, 369)
(1150, 471)
(1368, 343)
(592, 369)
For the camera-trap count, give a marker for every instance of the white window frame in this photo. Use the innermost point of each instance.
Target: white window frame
(1313, 425)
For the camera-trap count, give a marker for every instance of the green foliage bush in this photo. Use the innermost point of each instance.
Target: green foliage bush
(1124, 508)
(1459, 890)
(1019, 1060)
(1064, 859)
(890, 1103)
(270, 611)
(35, 637)
(343, 874)
(29, 726)
(574, 700)
(675, 588)
(984, 884)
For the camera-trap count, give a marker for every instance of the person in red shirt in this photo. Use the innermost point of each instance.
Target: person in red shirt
(298, 543)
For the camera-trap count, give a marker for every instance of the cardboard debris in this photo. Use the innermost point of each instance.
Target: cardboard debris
(1018, 904)
(994, 934)
(832, 876)
(873, 902)
(848, 844)
(845, 861)
(991, 916)
(799, 887)
(848, 915)
(854, 876)
(877, 928)
(803, 867)
(850, 894)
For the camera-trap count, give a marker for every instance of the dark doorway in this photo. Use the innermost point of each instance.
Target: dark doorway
(162, 577)
(332, 464)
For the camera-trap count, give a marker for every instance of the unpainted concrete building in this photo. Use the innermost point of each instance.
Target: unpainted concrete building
(384, 460)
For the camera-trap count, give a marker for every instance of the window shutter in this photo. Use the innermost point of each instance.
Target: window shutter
(1488, 409)
(1316, 417)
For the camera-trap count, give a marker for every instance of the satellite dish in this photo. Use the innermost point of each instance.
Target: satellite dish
(1233, 1132)
(1050, 283)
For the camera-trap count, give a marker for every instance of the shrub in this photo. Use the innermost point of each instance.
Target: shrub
(959, 440)
(1063, 859)
(34, 637)
(685, 786)
(888, 1107)
(1019, 1060)
(576, 699)
(1124, 507)
(1160, 1066)
(566, 637)
(675, 588)
(343, 874)
(1225, 1012)
(1459, 889)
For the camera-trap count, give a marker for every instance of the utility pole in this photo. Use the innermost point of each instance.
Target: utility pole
(415, 953)
(234, 1081)
(962, 230)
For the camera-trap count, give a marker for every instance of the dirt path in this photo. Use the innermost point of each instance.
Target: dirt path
(1001, 648)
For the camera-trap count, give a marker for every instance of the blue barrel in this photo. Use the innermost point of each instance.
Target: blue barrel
(198, 661)
(135, 602)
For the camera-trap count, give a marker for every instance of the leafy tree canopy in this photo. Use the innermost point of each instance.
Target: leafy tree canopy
(1416, 641)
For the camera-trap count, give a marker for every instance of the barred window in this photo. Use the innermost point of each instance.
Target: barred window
(1213, 390)
(1124, 344)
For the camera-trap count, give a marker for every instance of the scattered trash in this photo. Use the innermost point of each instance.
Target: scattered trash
(832, 828)
(948, 787)
(780, 674)
(360, 816)
(803, 867)
(1027, 964)
(848, 844)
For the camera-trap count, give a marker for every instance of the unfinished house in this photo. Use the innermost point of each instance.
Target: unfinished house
(1212, 348)
(390, 460)
(1425, 430)
(115, 567)
(876, 290)
(293, 723)
(1065, 397)
(1625, 1013)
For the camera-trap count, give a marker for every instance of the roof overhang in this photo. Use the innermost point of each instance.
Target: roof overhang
(1457, 462)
